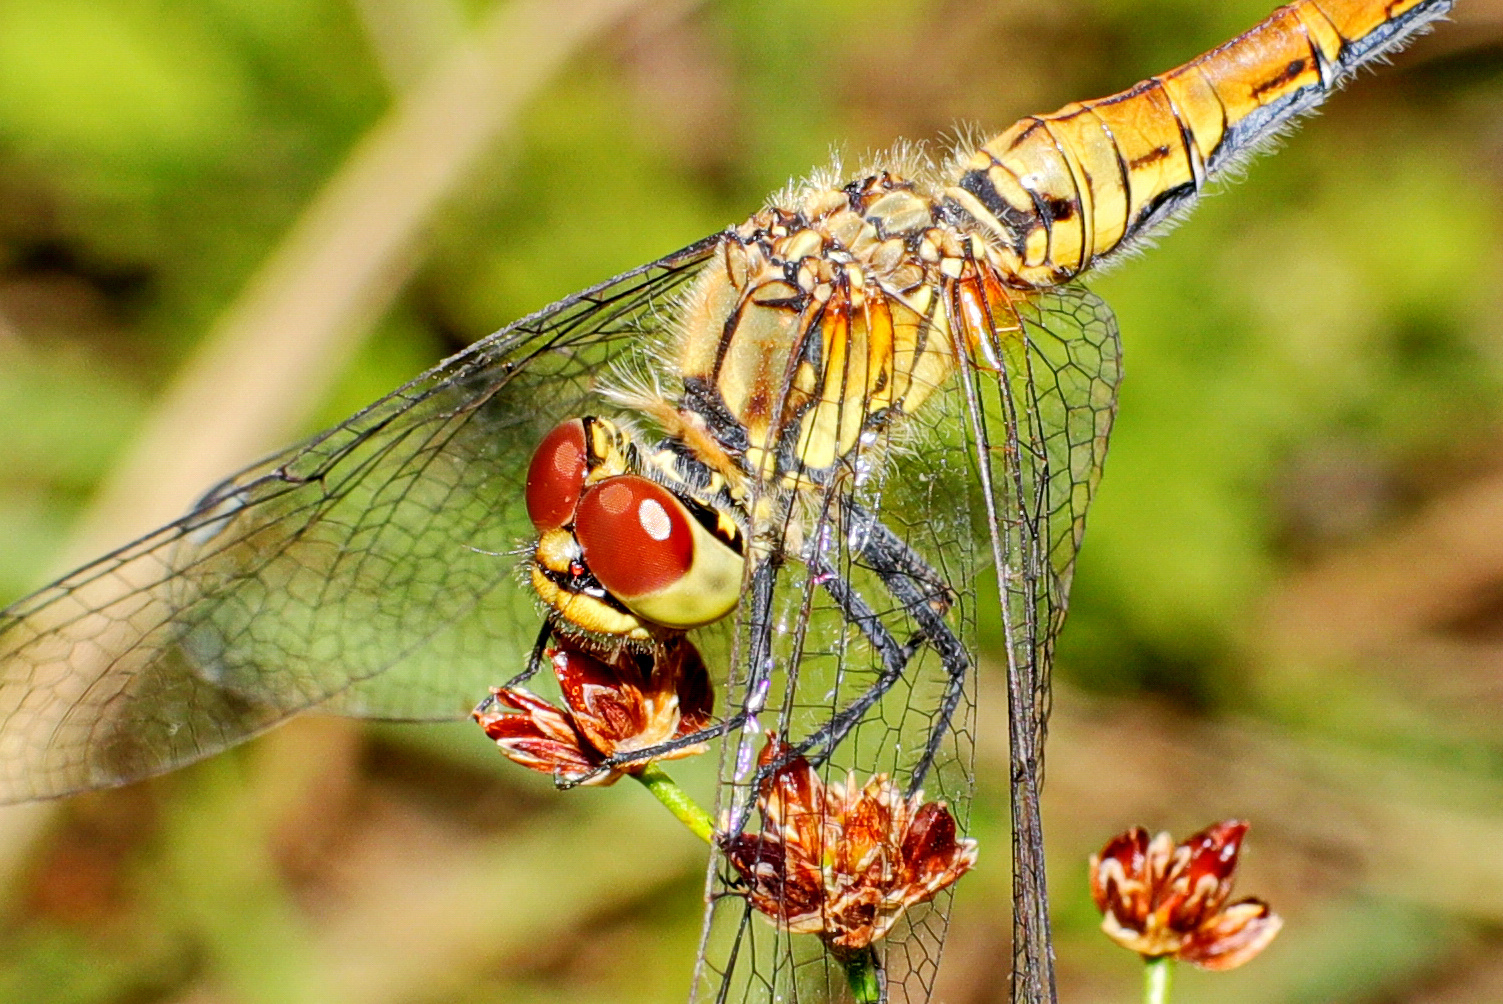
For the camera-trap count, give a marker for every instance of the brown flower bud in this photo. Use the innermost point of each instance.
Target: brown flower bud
(840, 860)
(1160, 899)
(613, 704)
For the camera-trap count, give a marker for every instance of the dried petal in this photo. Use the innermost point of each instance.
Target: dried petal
(776, 889)
(1120, 876)
(854, 919)
(793, 783)
(932, 857)
(1205, 882)
(616, 701)
(539, 736)
(1233, 936)
(603, 699)
(696, 695)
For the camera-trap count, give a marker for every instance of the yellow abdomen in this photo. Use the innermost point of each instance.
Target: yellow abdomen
(1059, 192)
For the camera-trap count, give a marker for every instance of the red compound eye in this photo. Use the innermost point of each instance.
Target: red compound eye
(556, 476)
(635, 535)
(651, 554)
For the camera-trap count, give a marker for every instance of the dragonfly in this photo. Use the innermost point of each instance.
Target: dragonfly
(834, 444)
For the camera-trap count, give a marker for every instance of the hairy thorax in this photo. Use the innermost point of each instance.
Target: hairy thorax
(826, 317)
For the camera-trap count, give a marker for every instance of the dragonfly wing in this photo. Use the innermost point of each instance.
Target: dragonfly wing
(1043, 428)
(1073, 366)
(1036, 437)
(1019, 455)
(822, 661)
(369, 571)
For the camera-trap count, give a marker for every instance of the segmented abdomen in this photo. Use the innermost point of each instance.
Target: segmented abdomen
(1062, 191)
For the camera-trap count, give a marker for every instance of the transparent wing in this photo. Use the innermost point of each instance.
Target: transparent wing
(1044, 429)
(823, 662)
(990, 473)
(368, 571)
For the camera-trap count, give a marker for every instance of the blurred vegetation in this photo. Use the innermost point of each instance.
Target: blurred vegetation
(1287, 608)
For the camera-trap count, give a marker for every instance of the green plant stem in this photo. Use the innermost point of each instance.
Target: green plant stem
(1158, 976)
(865, 978)
(667, 791)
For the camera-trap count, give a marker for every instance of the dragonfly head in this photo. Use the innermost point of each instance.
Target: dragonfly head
(618, 553)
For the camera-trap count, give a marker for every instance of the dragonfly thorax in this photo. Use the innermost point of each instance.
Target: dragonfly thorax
(821, 320)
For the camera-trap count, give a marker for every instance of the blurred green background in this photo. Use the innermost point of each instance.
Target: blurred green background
(1290, 602)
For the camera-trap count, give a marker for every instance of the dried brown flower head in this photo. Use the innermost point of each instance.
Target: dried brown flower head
(1165, 899)
(613, 704)
(844, 861)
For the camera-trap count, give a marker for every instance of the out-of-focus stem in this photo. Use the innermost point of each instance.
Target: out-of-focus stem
(256, 379)
(667, 791)
(1158, 975)
(409, 37)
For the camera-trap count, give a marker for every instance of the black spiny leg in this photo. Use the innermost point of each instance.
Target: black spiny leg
(534, 663)
(895, 658)
(911, 582)
(759, 649)
(924, 597)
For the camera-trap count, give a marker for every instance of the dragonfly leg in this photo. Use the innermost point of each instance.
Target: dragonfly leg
(764, 578)
(910, 581)
(534, 663)
(895, 658)
(889, 553)
(926, 598)
(535, 660)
